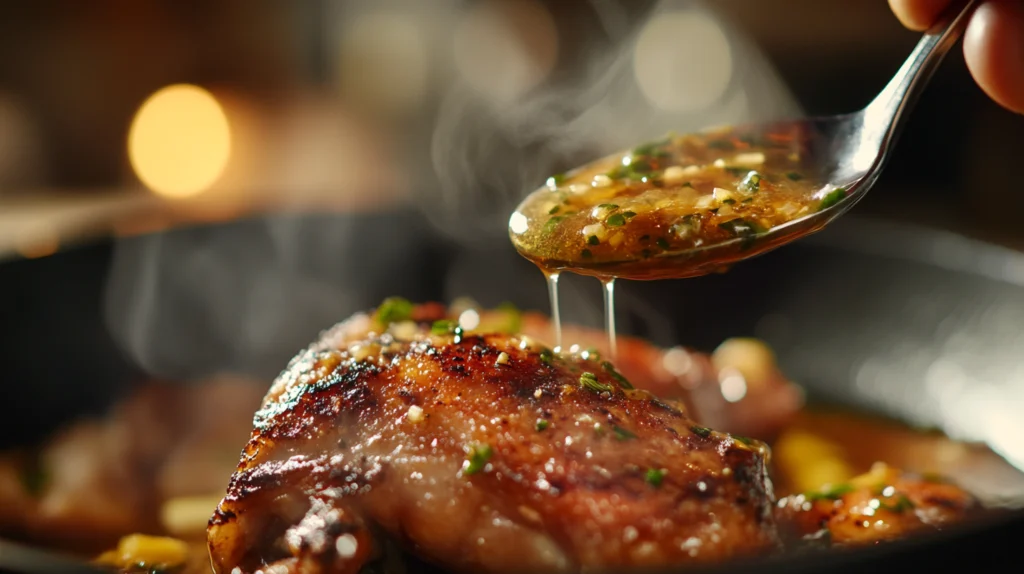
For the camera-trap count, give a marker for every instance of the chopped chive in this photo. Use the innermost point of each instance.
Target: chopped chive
(742, 439)
(622, 434)
(902, 504)
(546, 355)
(616, 220)
(443, 327)
(833, 493)
(589, 381)
(478, 458)
(688, 184)
(542, 425)
(610, 369)
(608, 206)
(639, 166)
(654, 476)
(794, 176)
(586, 254)
(593, 240)
(629, 214)
(552, 223)
(740, 227)
(729, 201)
(394, 309)
(833, 197)
(751, 183)
(553, 210)
(662, 243)
(702, 432)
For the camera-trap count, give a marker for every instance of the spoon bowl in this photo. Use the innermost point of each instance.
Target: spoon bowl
(840, 158)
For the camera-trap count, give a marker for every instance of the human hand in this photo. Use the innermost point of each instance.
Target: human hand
(993, 43)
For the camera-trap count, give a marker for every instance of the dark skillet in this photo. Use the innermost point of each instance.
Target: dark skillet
(864, 314)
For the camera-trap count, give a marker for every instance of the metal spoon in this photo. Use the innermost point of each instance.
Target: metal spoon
(849, 149)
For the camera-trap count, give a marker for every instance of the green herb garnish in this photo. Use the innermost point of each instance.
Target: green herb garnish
(751, 183)
(794, 176)
(833, 493)
(589, 381)
(654, 476)
(546, 355)
(586, 254)
(556, 180)
(729, 201)
(552, 223)
(833, 197)
(653, 148)
(542, 425)
(616, 220)
(394, 309)
(629, 214)
(444, 327)
(610, 206)
(901, 505)
(478, 457)
(622, 434)
(593, 355)
(610, 369)
(702, 432)
(740, 227)
(593, 240)
(742, 439)
(553, 210)
(662, 243)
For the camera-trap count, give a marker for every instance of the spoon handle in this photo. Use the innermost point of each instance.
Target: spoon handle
(885, 114)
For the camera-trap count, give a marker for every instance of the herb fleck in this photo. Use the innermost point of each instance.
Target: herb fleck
(629, 214)
(751, 183)
(609, 206)
(593, 240)
(478, 458)
(616, 220)
(654, 476)
(586, 254)
(589, 381)
(662, 243)
(702, 432)
(553, 210)
(443, 327)
(552, 223)
(902, 504)
(610, 369)
(833, 197)
(794, 176)
(744, 440)
(622, 434)
(542, 425)
(394, 309)
(546, 355)
(833, 493)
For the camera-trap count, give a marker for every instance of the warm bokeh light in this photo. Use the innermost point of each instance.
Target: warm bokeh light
(504, 48)
(683, 61)
(180, 141)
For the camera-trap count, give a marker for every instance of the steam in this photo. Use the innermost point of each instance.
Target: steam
(245, 296)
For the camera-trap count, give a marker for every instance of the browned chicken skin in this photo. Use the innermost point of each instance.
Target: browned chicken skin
(480, 453)
(487, 452)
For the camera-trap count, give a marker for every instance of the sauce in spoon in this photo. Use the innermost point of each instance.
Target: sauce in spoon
(679, 207)
(683, 206)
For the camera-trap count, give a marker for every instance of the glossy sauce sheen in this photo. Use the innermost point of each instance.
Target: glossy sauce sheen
(654, 212)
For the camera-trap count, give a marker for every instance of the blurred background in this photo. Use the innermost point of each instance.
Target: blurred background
(348, 148)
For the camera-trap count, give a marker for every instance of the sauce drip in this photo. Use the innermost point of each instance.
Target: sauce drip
(556, 319)
(609, 316)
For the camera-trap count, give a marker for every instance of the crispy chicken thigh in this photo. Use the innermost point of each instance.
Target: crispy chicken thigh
(480, 452)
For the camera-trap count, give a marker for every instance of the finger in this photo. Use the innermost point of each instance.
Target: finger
(994, 51)
(918, 15)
